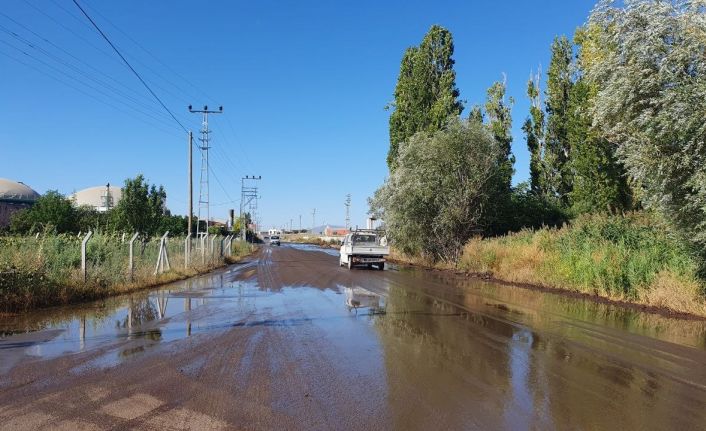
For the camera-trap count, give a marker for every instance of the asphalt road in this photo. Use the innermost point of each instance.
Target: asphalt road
(289, 340)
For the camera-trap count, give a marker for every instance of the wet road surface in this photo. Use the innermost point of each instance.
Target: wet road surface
(289, 340)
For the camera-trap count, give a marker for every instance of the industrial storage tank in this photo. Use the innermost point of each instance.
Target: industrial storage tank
(14, 196)
(101, 198)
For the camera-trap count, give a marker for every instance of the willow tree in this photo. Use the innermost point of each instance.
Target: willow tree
(441, 191)
(426, 94)
(649, 61)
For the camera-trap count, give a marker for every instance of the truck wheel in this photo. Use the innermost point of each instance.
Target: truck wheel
(370, 266)
(381, 266)
(350, 263)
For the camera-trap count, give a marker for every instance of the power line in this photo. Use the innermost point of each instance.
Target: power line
(92, 45)
(88, 76)
(98, 90)
(130, 66)
(136, 43)
(124, 61)
(77, 59)
(37, 69)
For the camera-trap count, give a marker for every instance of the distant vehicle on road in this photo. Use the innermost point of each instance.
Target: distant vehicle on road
(364, 247)
(274, 240)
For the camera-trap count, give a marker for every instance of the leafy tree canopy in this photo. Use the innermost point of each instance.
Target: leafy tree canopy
(436, 198)
(648, 57)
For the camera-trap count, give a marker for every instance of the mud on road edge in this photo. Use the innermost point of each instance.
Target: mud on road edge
(556, 290)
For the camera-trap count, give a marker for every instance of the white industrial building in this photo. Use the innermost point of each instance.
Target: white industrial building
(14, 196)
(101, 198)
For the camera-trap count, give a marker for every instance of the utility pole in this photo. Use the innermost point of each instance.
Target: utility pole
(300, 223)
(204, 203)
(313, 220)
(348, 210)
(248, 194)
(190, 213)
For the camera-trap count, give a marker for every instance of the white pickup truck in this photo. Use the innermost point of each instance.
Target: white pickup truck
(364, 247)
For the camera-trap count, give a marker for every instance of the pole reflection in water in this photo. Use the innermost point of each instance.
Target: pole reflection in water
(187, 308)
(82, 332)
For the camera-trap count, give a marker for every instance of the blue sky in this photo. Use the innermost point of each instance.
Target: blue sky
(303, 84)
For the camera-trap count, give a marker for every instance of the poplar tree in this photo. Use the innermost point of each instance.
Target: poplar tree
(599, 178)
(534, 133)
(558, 150)
(498, 111)
(425, 94)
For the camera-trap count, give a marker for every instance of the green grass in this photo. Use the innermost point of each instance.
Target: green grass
(632, 258)
(46, 270)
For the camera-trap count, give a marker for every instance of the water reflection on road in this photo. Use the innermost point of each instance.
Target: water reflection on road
(419, 349)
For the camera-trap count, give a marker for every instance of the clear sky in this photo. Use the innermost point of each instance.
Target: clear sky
(303, 85)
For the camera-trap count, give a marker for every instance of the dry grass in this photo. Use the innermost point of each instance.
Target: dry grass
(675, 293)
(423, 261)
(631, 259)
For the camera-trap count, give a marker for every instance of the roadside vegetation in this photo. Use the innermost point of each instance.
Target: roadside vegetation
(626, 258)
(40, 255)
(615, 203)
(46, 270)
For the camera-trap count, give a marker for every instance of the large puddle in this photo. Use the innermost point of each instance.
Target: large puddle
(463, 342)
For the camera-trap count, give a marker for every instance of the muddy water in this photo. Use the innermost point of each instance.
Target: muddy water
(402, 349)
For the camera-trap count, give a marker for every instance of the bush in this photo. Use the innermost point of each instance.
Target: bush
(437, 196)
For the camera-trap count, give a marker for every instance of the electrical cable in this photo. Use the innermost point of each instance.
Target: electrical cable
(77, 59)
(157, 127)
(57, 59)
(130, 66)
(98, 90)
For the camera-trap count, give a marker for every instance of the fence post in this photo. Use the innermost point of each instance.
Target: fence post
(229, 242)
(213, 247)
(130, 264)
(162, 258)
(165, 238)
(203, 248)
(187, 250)
(83, 253)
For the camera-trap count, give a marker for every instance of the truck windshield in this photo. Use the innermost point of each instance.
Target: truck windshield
(358, 239)
(274, 237)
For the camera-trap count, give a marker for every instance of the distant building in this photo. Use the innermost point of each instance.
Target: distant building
(101, 198)
(14, 196)
(336, 231)
(274, 232)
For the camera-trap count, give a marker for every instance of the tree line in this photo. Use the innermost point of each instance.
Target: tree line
(618, 126)
(141, 209)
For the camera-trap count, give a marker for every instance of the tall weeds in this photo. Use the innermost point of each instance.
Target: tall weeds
(46, 270)
(632, 258)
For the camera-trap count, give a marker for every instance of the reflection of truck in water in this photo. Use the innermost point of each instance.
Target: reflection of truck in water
(364, 247)
(357, 297)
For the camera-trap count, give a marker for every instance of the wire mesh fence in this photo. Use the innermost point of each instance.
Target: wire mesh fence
(49, 266)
